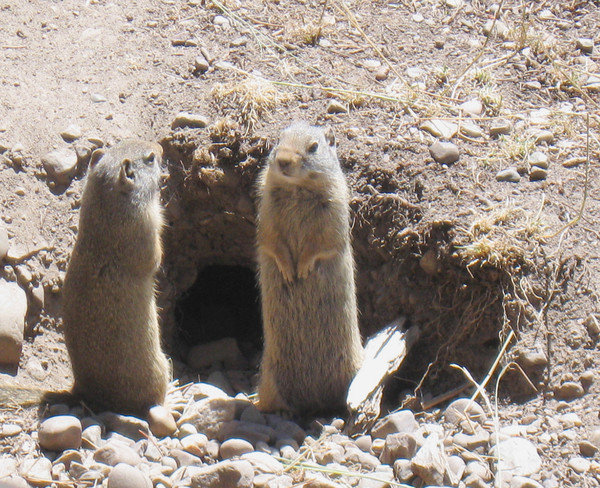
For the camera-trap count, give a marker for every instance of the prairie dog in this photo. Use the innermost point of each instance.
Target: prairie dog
(110, 317)
(312, 344)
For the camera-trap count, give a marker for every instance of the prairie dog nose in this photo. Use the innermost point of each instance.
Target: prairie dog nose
(286, 160)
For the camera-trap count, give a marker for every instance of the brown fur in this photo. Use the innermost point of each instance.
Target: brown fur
(306, 272)
(110, 317)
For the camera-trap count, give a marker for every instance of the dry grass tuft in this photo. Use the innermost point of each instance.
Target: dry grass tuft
(248, 100)
(501, 238)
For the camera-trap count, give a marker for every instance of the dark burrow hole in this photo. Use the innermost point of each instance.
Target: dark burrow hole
(223, 302)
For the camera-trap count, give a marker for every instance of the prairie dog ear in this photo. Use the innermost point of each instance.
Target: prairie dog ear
(96, 156)
(329, 136)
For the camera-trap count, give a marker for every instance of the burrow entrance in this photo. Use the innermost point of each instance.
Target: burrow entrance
(404, 243)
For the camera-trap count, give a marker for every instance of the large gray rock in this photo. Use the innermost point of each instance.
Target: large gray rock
(13, 308)
(226, 474)
(397, 446)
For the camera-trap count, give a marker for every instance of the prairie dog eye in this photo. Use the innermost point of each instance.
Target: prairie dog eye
(313, 146)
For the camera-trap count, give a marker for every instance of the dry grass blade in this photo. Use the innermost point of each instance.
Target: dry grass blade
(339, 472)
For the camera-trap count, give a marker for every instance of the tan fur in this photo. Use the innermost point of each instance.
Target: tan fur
(306, 272)
(110, 317)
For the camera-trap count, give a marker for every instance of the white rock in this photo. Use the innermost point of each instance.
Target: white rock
(522, 482)
(71, 133)
(8, 466)
(517, 457)
(126, 476)
(13, 309)
(60, 433)
(579, 465)
(473, 107)
(195, 444)
(60, 165)
(570, 420)
(161, 421)
(40, 468)
(440, 128)
(234, 448)
(263, 463)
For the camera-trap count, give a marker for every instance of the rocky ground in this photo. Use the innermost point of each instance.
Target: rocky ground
(469, 134)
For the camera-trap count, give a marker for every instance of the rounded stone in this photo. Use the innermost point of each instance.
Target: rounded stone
(60, 433)
(60, 165)
(444, 152)
(569, 390)
(509, 174)
(234, 447)
(161, 421)
(125, 476)
(536, 173)
(462, 408)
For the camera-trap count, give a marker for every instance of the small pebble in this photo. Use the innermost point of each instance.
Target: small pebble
(473, 107)
(201, 65)
(536, 173)
(336, 107)
(585, 45)
(500, 127)
(444, 152)
(234, 448)
(10, 430)
(543, 136)
(187, 119)
(161, 421)
(587, 449)
(569, 390)
(221, 21)
(509, 174)
(579, 465)
(97, 98)
(71, 133)
(60, 165)
(539, 159)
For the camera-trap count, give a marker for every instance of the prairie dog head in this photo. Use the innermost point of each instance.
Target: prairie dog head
(130, 170)
(304, 154)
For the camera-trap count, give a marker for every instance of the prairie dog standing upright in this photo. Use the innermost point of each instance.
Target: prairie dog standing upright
(110, 317)
(312, 345)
